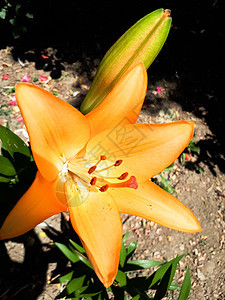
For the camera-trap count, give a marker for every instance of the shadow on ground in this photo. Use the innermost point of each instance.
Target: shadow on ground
(23, 280)
(25, 277)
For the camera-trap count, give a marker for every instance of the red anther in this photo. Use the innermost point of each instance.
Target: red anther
(93, 181)
(123, 176)
(118, 162)
(92, 169)
(104, 188)
(103, 157)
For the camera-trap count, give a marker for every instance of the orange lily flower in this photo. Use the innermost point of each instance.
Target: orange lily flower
(97, 166)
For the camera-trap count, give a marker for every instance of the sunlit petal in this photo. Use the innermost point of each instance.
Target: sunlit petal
(122, 106)
(145, 149)
(97, 222)
(56, 129)
(36, 205)
(151, 202)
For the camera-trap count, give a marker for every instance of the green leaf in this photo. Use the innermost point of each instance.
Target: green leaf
(3, 13)
(137, 297)
(73, 257)
(121, 277)
(29, 15)
(186, 286)
(170, 168)
(4, 179)
(158, 275)
(84, 260)
(165, 184)
(193, 146)
(92, 290)
(12, 143)
(125, 236)
(166, 272)
(74, 286)
(10, 90)
(131, 248)
(123, 255)
(141, 43)
(142, 264)
(78, 247)
(35, 79)
(6, 167)
(174, 287)
(64, 278)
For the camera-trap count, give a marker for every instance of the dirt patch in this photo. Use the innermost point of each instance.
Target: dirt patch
(203, 192)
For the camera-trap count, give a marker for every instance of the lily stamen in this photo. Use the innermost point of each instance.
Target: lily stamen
(93, 168)
(116, 164)
(121, 177)
(104, 188)
(93, 181)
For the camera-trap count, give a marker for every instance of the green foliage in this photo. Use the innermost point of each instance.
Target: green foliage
(186, 286)
(16, 14)
(191, 148)
(163, 182)
(17, 170)
(81, 282)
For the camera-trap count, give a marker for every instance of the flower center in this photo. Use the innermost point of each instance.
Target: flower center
(94, 177)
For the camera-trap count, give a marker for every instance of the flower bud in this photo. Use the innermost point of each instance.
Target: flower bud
(141, 43)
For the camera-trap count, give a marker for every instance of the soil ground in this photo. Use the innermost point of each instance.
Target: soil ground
(199, 183)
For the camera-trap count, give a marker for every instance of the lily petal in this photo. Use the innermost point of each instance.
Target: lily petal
(52, 136)
(151, 202)
(123, 104)
(145, 149)
(36, 205)
(97, 222)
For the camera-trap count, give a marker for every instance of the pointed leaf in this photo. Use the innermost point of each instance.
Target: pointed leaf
(186, 286)
(67, 252)
(64, 278)
(165, 184)
(12, 143)
(75, 285)
(131, 248)
(6, 167)
(121, 278)
(78, 247)
(158, 275)
(142, 264)
(125, 236)
(123, 255)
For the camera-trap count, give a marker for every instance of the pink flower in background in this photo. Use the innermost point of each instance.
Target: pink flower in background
(26, 78)
(5, 77)
(19, 119)
(158, 89)
(44, 56)
(187, 156)
(13, 100)
(43, 78)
